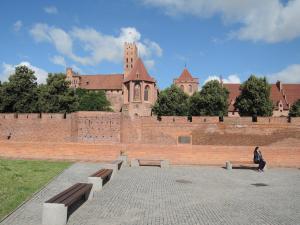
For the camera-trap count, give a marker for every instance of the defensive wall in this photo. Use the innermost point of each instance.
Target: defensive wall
(100, 136)
(109, 127)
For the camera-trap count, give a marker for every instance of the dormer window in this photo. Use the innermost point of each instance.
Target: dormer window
(87, 83)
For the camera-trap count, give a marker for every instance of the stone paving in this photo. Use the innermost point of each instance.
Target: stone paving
(178, 195)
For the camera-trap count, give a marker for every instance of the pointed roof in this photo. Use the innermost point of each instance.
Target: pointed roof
(185, 76)
(139, 72)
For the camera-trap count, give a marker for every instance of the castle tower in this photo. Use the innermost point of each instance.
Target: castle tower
(130, 57)
(140, 91)
(187, 83)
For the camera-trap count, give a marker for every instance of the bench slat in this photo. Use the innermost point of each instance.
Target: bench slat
(68, 195)
(102, 173)
(54, 198)
(77, 195)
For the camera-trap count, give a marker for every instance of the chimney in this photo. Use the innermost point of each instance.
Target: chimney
(69, 72)
(279, 85)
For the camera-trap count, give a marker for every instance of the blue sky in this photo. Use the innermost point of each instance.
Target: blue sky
(229, 38)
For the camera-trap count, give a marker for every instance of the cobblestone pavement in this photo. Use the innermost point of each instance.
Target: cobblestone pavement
(179, 195)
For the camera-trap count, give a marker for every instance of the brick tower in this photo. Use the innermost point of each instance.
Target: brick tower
(139, 88)
(130, 57)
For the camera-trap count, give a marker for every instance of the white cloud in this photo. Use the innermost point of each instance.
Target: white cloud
(97, 46)
(18, 25)
(260, 20)
(233, 79)
(51, 10)
(290, 74)
(58, 60)
(8, 69)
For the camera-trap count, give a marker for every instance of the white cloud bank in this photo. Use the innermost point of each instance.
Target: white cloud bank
(261, 20)
(97, 46)
(8, 69)
(233, 79)
(51, 10)
(290, 74)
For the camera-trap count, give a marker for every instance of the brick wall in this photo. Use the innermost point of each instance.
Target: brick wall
(177, 154)
(96, 127)
(209, 131)
(107, 127)
(36, 128)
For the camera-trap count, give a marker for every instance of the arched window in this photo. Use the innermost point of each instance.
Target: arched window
(146, 93)
(137, 92)
(190, 88)
(182, 87)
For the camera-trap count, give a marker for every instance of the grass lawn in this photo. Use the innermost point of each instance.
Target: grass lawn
(19, 179)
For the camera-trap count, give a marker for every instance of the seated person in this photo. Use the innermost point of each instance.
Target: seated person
(258, 159)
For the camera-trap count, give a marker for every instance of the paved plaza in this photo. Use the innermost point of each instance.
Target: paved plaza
(177, 195)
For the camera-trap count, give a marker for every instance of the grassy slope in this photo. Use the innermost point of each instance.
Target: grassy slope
(19, 179)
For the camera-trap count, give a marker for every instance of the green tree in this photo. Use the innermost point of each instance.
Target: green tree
(19, 94)
(171, 102)
(295, 109)
(255, 98)
(56, 96)
(92, 101)
(210, 101)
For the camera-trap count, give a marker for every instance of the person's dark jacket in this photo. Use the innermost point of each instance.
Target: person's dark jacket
(257, 157)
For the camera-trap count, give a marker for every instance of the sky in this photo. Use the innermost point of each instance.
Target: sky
(228, 38)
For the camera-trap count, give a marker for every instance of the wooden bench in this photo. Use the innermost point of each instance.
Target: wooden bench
(230, 164)
(150, 162)
(99, 178)
(114, 165)
(57, 208)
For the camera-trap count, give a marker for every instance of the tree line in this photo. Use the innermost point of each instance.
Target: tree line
(212, 100)
(22, 94)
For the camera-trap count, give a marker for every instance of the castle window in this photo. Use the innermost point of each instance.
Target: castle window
(131, 65)
(146, 93)
(137, 92)
(182, 87)
(131, 59)
(127, 60)
(137, 75)
(190, 88)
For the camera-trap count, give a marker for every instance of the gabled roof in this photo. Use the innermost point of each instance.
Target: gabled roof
(139, 72)
(185, 76)
(101, 81)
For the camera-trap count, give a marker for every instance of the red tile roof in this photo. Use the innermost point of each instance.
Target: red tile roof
(292, 92)
(185, 76)
(139, 72)
(101, 82)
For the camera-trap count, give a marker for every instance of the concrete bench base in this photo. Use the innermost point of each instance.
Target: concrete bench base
(124, 158)
(114, 167)
(97, 185)
(54, 214)
(229, 164)
(162, 163)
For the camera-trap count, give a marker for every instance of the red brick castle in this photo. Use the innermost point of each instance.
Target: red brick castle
(134, 91)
